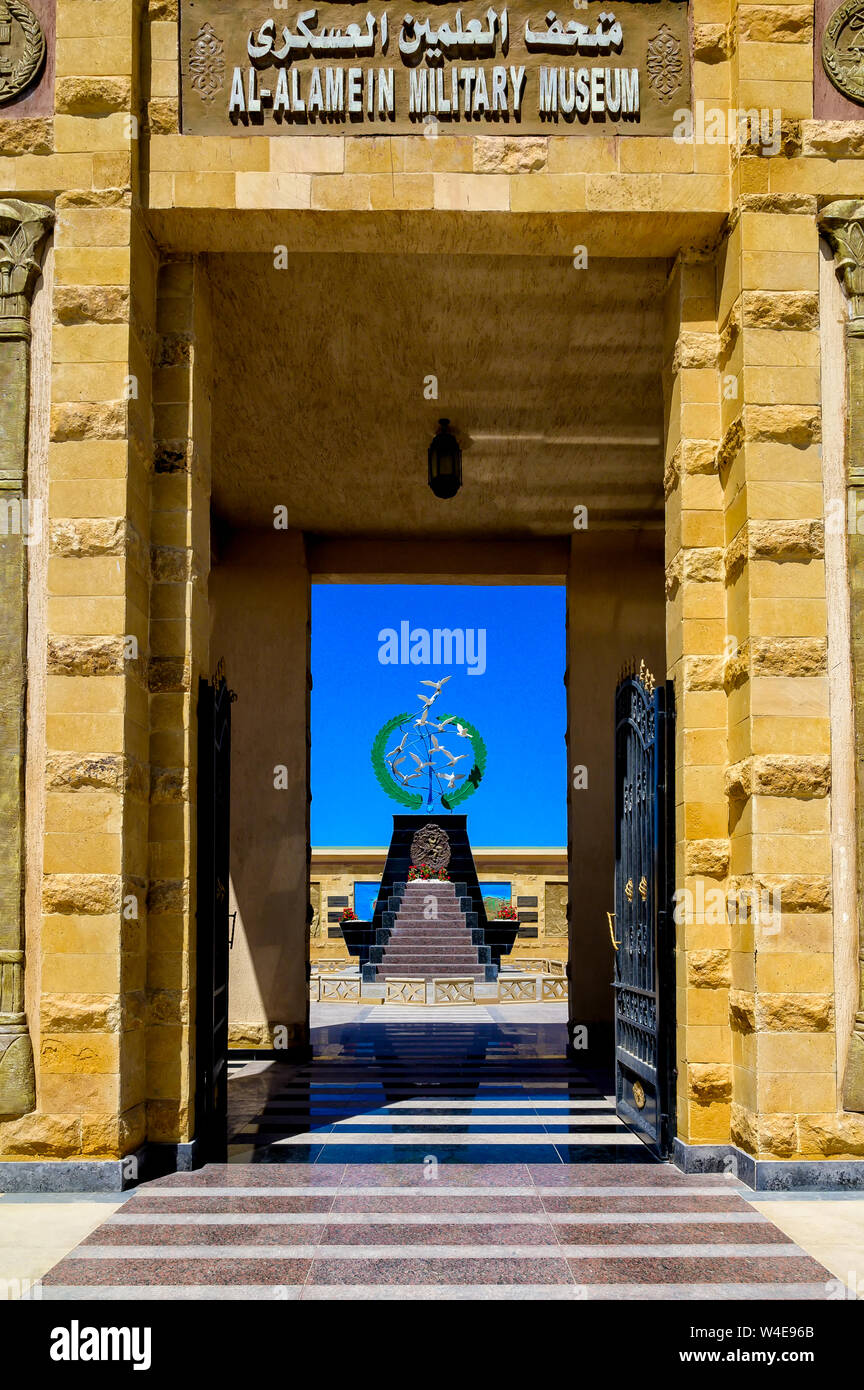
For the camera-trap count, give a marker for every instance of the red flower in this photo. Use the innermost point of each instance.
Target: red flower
(426, 873)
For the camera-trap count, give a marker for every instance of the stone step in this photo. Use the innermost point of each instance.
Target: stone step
(424, 974)
(440, 909)
(430, 926)
(404, 964)
(410, 943)
(460, 933)
(419, 914)
(427, 969)
(431, 954)
(425, 942)
(420, 886)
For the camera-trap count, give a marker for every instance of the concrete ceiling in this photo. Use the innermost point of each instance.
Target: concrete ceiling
(550, 375)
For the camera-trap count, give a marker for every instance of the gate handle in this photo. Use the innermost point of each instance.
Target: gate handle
(611, 918)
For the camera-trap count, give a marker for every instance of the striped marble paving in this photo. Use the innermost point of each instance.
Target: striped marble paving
(448, 1162)
(591, 1231)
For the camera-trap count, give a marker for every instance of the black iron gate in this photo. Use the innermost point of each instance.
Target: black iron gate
(211, 1033)
(642, 927)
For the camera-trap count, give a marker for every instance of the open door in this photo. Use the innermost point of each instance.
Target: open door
(643, 928)
(214, 824)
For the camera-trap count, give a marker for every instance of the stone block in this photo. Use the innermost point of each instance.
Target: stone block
(709, 858)
(797, 892)
(832, 139)
(27, 136)
(768, 1135)
(472, 192)
(794, 1013)
(312, 154)
(708, 969)
(41, 1136)
(92, 95)
(169, 1121)
(168, 896)
(832, 1135)
(587, 155)
(80, 1013)
(80, 1052)
(779, 775)
(79, 304)
(776, 24)
(510, 155)
(406, 191)
(709, 1081)
(81, 894)
(163, 114)
(269, 190)
(89, 420)
(742, 1011)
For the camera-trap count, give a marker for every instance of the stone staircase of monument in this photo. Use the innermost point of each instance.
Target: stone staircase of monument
(431, 936)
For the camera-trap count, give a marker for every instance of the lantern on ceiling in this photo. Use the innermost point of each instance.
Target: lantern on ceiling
(445, 462)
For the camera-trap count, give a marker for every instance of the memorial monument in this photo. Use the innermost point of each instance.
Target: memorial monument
(429, 918)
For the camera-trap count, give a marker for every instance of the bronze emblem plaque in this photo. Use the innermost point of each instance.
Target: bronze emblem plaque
(371, 69)
(843, 50)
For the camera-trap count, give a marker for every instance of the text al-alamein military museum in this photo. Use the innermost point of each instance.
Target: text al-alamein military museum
(463, 294)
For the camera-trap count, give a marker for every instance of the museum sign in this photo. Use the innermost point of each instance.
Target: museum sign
(373, 69)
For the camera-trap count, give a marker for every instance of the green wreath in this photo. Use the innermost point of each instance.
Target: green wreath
(475, 776)
(414, 800)
(382, 772)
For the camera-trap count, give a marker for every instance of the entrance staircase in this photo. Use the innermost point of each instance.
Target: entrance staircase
(431, 936)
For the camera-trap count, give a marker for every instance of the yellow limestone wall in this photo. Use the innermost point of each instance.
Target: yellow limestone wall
(746, 605)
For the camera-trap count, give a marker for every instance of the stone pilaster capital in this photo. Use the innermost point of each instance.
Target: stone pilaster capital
(23, 229)
(842, 223)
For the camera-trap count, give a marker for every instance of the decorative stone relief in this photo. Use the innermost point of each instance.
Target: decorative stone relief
(431, 845)
(23, 228)
(842, 223)
(207, 63)
(22, 48)
(843, 50)
(665, 64)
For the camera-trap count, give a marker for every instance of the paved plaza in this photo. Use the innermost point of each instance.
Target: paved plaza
(419, 1159)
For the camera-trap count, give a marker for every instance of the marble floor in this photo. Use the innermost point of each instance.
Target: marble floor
(438, 1160)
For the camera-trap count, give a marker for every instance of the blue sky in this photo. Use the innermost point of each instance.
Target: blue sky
(517, 703)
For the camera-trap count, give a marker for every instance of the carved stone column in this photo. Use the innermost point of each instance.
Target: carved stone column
(23, 228)
(843, 225)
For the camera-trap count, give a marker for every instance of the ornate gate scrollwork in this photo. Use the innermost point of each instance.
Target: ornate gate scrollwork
(644, 955)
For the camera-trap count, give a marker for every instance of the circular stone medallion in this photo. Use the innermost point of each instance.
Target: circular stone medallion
(843, 50)
(431, 845)
(22, 48)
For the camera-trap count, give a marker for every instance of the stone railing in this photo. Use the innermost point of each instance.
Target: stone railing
(531, 989)
(445, 989)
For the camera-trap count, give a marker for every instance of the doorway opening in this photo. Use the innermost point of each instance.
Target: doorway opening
(562, 492)
(445, 705)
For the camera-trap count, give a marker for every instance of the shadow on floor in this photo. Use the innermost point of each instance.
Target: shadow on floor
(437, 1092)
